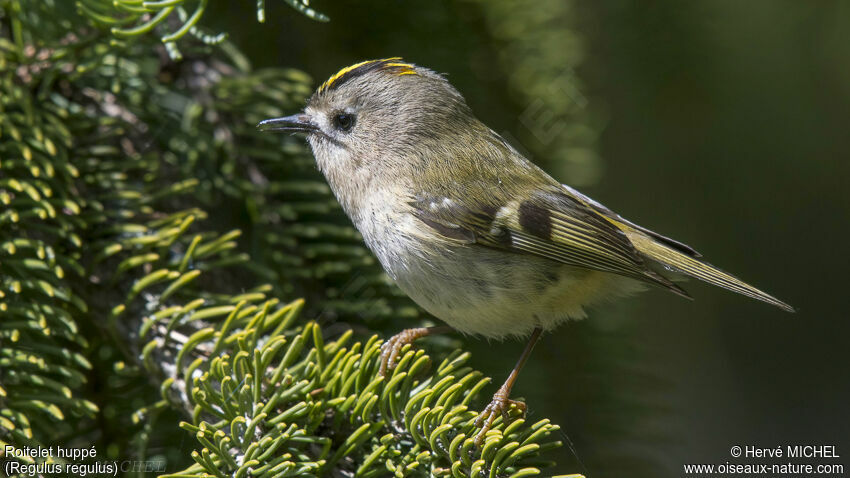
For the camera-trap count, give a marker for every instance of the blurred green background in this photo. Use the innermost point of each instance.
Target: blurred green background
(720, 123)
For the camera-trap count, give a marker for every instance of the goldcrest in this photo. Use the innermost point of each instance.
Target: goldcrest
(471, 230)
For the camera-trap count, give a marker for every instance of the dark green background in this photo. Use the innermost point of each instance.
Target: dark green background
(723, 124)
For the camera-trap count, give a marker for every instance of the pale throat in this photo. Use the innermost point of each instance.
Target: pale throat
(358, 191)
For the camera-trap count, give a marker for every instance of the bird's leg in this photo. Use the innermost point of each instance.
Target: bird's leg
(501, 399)
(393, 346)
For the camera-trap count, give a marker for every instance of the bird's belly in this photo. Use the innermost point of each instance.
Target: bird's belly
(478, 290)
(495, 294)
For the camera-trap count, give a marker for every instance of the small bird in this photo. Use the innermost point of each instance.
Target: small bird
(471, 230)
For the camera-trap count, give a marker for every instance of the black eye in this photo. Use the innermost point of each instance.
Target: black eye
(344, 121)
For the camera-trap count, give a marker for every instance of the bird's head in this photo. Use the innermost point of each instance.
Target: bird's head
(380, 118)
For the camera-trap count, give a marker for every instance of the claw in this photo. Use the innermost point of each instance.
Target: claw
(500, 405)
(391, 349)
(389, 353)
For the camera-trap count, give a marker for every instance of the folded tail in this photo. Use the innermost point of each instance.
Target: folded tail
(679, 261)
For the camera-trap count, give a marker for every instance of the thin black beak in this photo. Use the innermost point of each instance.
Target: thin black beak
(299, 123)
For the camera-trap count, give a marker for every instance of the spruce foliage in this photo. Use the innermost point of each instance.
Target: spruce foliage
(153, 249)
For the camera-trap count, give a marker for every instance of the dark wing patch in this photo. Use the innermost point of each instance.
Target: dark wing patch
(453, 220)
(535, 219)
(451, 231)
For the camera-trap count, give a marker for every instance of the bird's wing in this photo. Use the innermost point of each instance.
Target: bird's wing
(616, 218)
(561, 224)
(675, 256)
(549, 222)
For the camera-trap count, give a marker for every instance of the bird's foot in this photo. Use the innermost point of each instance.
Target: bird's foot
(391, 349)
(500, 405)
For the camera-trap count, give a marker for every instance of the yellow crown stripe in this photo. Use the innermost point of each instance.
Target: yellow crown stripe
(343, 71)
(405, 68)
(394, 62)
